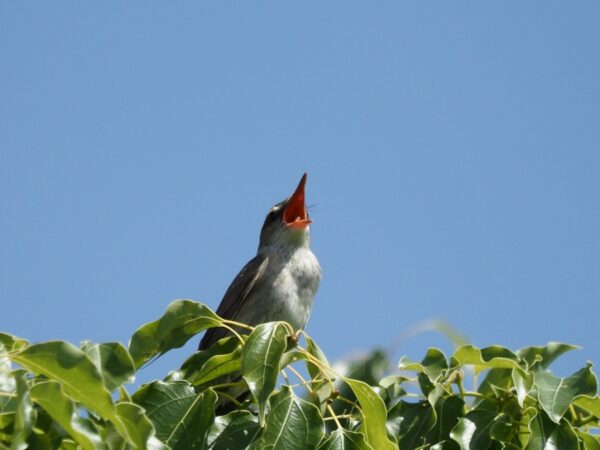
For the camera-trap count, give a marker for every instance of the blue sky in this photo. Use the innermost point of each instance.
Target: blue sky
(452, 149)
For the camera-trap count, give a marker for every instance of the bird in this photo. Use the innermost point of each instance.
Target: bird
(280, 282)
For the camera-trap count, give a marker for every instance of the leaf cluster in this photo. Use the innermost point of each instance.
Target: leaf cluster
(268, 387)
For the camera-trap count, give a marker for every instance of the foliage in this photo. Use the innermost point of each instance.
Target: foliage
(271, 388)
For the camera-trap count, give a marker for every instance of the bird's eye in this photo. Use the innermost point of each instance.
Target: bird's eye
(271, 216)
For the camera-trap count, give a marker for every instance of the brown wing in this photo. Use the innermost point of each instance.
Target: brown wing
(235, 296)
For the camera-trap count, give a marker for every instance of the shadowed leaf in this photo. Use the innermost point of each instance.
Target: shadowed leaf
(139, 427)
(113, 362)
(181, 417)
(50, 396)
(24, 416)
(547, 435)
(473, 431)
(235, 431)
(291, 424)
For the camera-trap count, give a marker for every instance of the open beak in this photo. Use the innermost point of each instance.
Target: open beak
(295, 214)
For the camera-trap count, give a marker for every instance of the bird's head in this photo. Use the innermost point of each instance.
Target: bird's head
(287, 223)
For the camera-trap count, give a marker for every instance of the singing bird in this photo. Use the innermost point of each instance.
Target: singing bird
(280, 282)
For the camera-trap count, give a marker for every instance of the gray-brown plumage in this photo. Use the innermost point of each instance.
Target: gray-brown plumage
(280, 282)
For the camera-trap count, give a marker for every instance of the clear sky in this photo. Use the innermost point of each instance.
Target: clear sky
(452, 150)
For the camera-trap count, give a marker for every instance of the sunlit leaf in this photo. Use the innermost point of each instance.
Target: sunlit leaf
(342, 439)
(544, 355)
(314, 370)
(12, 343)
(70, 366)
(589, 404)
(217, 366)
(182, 320)
(523, 382)
(556, 394)
(261, 358)
(319, 371)
(433, 364)
(374, 415)
(193, 365)
(588, 442)
(486, 358)
(7, 379)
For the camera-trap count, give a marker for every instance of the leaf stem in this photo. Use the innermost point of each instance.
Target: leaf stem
(302, 379)
(231, 398)
(334, 417)
(238, 324)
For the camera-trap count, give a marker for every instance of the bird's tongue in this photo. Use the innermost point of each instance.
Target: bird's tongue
(295, 213)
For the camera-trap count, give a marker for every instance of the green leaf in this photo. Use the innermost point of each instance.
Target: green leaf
(433, 364)
(315, 371)
(556, 394)
(292, 356)
(261, 359)
(113, 362)
(12, 343)
(370, 368)
(139, 427)
(342, 439)
(523, 382)
(50, 396)
(430, 372)
(544, 355)
(65, 363)
(486, 358)
(588, 442)
(181, 417)
(24, 417)
(7, 379)
(496, 382)
(217, 364)
(194, 363)
(182, 320)
(447, 412)
(235, 431)
(547, 435)
(589, 404)
(504, 430)
(322, 376)
(473, 431)
(374, 415)
(291, 424)
(411, 422)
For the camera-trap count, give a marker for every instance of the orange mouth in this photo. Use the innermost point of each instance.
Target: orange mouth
(295, 214)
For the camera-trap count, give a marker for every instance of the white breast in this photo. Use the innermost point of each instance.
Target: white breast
(290, 283)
